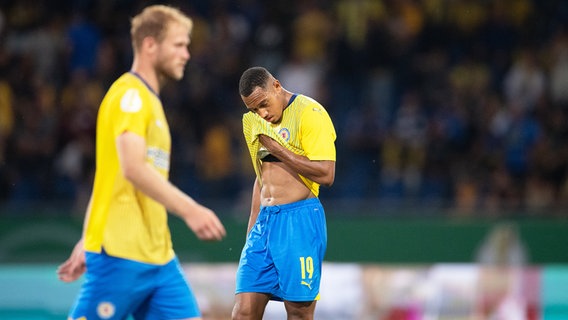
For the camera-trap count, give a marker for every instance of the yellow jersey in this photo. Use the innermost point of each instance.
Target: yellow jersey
(123, 221)
(305, 129)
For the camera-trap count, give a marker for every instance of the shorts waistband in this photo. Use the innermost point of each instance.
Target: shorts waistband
(289, 206)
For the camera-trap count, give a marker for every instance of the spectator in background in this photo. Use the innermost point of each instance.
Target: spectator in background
(216, 165)
(7, 122)
(410, 127)
(360, 172)
(303, 69)
(558, 77)
(268, 40)
(83, 39)
(34, 141)
(524, 83)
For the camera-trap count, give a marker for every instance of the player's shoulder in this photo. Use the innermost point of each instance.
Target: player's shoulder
(309, 105)
(128, 92)
(128, 82)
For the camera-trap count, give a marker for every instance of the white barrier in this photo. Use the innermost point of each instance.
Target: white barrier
(348, 291)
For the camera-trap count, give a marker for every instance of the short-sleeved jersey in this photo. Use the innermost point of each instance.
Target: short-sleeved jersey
(306, 126)
(123, 221)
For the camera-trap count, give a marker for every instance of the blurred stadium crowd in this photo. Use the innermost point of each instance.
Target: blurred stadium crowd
(456, 105)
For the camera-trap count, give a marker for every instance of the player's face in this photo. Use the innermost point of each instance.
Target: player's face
(267, 103)
(173, 52)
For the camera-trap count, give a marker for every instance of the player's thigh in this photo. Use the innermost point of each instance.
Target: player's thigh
(299, 252)
(256, 272)
(301, 271)
(113, 288)
(172, 298)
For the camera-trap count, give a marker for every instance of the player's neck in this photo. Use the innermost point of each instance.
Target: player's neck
(287, 98)
(147, 74)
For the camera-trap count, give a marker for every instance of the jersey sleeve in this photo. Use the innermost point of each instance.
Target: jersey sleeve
(318, 134)
(131, 114)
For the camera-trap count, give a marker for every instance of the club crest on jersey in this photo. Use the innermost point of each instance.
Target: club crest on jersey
(105, 310)
(285, 134)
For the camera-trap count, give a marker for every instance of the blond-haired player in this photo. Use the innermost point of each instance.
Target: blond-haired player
(126, 249)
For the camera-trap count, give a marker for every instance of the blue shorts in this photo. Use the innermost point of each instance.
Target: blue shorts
(116, 288)
(284, 251)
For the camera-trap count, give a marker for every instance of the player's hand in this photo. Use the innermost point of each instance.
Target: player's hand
(270, 144)
(205, 224)
(74, 266)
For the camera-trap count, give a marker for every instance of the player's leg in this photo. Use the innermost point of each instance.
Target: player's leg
(172, 297)
(300, 310)
(249, 306)
(256, 278)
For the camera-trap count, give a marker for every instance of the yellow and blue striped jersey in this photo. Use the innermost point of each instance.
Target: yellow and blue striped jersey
(125, 222)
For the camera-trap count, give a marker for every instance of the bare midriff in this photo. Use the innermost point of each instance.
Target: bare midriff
(280, 185)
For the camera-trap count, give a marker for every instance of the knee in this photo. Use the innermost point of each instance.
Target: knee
(300, 310)
(249, 306)
(241, 312)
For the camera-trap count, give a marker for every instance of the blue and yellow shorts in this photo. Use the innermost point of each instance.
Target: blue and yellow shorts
(284, 251)
(116, 288)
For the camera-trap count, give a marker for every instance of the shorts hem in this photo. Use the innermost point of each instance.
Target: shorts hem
(253, 291)
(300, 299)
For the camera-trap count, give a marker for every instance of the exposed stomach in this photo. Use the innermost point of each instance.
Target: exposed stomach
(281, 185)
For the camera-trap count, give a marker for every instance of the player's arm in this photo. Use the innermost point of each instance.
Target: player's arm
(320, 171)
(255, 205)
(132, 156)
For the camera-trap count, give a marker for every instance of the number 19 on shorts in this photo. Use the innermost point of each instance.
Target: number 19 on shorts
(307, 267)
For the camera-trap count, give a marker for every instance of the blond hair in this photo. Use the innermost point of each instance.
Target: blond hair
(154, 21)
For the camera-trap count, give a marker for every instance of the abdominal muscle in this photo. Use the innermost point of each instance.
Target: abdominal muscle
(281, 185)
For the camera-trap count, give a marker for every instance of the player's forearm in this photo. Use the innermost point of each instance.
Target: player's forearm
(132, 156)
(322, 172)
(150, 182)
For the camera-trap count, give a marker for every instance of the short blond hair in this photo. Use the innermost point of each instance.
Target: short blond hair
(154, 21)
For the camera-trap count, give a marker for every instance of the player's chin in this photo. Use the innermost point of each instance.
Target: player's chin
(177, 75)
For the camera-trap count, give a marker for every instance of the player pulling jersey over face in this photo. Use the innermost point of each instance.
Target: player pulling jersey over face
(291, 143)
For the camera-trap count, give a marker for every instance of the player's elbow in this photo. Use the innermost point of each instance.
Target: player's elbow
(327, 180)
(328, 177)
(130, 172)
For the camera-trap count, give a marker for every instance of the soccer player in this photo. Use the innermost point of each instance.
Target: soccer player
(126, 249)
(291, 139)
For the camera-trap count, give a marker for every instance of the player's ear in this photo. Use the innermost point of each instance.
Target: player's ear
(276, 84)
(149, 44)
